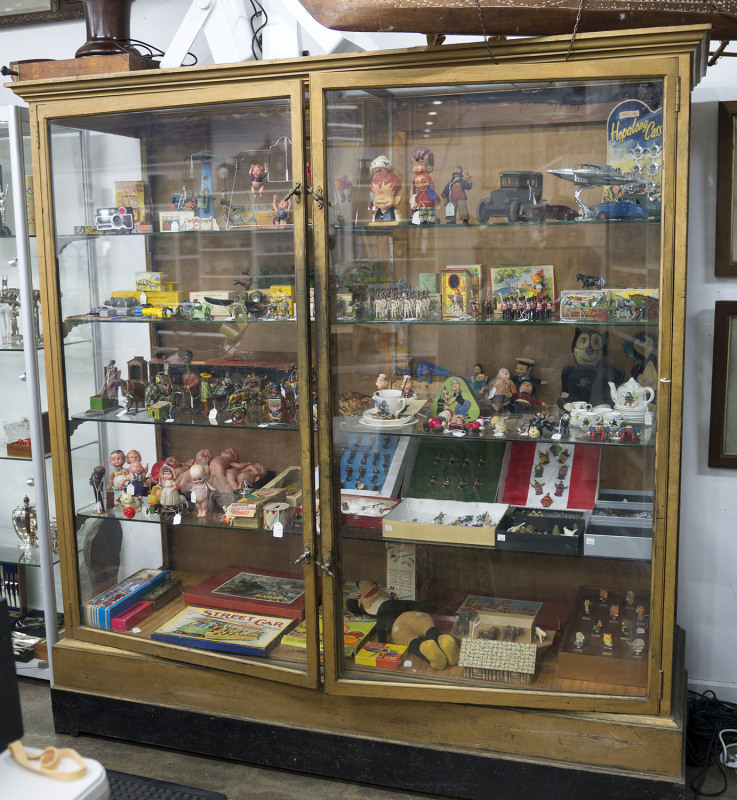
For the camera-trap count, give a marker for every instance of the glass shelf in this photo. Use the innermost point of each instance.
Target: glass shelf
(118, 415)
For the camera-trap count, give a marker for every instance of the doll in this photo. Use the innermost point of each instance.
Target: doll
(281, 210)
(257, 173)
(133, 456)
(422, 159)
(169, 497)
(478, 381)
(588, 379)
(382, 382)
(201, 489)
(455, 197)
(523, 372)
(224, 470)
(522, 401)
(246, 477)
(385, 197)
(97, 481)
(425, 199)
(118, 473)
(502, 388)
(136, 479)
(184, 480)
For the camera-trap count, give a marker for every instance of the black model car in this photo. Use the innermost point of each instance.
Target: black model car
(519, 199)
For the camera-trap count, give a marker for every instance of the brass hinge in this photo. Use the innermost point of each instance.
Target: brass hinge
(661, 678)
(678, 93)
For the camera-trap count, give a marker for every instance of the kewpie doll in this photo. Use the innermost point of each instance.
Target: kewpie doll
(201, 489)
(502, 388)
(257, 173)
(281, 211)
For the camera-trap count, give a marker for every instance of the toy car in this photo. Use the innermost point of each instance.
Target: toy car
(160, 312)
(200, 311)
(515, 185)
(117, 307)
(619, 210)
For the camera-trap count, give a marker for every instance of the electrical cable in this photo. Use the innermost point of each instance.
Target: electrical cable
(257, 38)
(148, 51)
(708, 718)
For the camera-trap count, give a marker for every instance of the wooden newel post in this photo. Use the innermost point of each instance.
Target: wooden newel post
(107, 20)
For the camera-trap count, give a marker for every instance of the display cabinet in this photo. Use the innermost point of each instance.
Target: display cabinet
(28, 549)
(378, 396)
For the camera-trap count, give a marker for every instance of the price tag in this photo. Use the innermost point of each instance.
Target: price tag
(177, 519)
(213, 416)
(556, 436)
(278, 530)
(143, 299)
(501, 537)
(193, 497)
(450, 210)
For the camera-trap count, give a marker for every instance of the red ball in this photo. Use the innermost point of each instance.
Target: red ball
(129, 512)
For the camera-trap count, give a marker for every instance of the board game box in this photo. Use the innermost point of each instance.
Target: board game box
(223, 630)
(99, 611)
(354, 633)
(257, 591)
(380, 654)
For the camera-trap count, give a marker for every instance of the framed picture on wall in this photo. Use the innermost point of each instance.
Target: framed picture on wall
(725, 262)
(723, 427)
(32, 12)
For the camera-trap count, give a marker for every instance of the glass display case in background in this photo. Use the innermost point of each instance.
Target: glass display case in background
(29, 556)
(180, 247)
(499, 279)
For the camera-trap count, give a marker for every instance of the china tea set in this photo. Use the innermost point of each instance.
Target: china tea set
(630, 400)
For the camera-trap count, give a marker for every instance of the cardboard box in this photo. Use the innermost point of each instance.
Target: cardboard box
(248, 511)
(484, 613)
(252, 213)
(544, 540)
(284, 294)
(16, 450)
(379, 654)
(416, 519)
(519, 280)
(585, 305)
(365, 512)
(290, 480)
(636, 304)
(128, 619)
(132, 194)
(384, 451)
(218, 311)
(174, 221)
(148, 281)
(456, 290)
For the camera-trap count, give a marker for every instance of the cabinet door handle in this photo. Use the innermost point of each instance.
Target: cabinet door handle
(318, 196)
(306, 556)
(328, 566)
(296, 193)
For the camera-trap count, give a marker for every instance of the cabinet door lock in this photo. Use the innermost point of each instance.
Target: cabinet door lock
(318, 197)
(328, 567)
(305, 557)
(296, 193)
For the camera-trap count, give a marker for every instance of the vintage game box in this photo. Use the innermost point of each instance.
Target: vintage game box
(522, 281)
(290, 481)
(456, 290)
(99, 611)
(258, 591)
(247, 512)
(355, 632)
(479, 614)
(133, 195)
(585, 305)
(223, 630)
(628, 304)
(379, 654)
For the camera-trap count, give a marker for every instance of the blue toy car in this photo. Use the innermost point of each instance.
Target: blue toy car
(621, 210)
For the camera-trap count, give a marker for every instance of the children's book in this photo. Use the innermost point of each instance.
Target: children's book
(225, 631)
(354, 633)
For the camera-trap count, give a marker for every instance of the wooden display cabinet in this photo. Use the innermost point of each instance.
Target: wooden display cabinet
(190, 137)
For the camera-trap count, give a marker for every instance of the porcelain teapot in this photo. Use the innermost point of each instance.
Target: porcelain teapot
(631, 398)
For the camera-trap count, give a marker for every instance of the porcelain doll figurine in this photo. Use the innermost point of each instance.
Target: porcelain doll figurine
(379, 163)
(425, 200)
(257, 173)
(281, 209)
(501, 390)
(132, 456)
(385, 196)
(136, 484)
(422, 159)
(169, 497)
(118, 473)
(201, 489)
(456, 199)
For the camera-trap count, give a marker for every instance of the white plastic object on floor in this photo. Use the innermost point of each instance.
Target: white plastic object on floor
(19, 783)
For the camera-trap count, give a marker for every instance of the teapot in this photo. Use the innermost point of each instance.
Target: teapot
(631, 400)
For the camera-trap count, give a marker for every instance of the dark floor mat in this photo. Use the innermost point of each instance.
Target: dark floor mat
(133, 787)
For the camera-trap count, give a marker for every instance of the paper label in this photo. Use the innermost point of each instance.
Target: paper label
(278, 530)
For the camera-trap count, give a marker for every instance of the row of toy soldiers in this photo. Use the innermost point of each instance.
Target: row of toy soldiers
(538, 307)
(395, 304)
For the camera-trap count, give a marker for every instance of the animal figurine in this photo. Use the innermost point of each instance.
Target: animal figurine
(540, 633)
(408, 623)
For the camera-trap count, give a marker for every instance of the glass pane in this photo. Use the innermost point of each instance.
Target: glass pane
(177, 282)
(494, 330)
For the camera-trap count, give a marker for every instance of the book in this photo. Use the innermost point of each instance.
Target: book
(257, 591)
(379, 654)
(223, 630)
(133, 195)
(354, 633)
(99, 611)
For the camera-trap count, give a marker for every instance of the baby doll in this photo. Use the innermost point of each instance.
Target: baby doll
(250, 474)
(184, 481)
(257, 173)
(136, 479)
(118, 473)
(133, 456)
(224, 470)
(502, 388)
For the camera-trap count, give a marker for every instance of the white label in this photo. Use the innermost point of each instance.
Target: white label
(556, 436)
(121, 413)
(388, 527)
(278, 530)
(450, 209)
(193, 497)
(501, 537)
(143, 299)
(177, 519)
(590, 540)
(213, 416)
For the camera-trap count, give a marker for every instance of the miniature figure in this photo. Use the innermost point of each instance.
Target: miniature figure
(118, 474)
(596, 627)
(455, 197)
(603, 596)
(523, 372)
(97, 480)
(614, 612)
(579, 641)
(385, 196)
(424, 200)
(626, 628)
(540, 633)
(537, 486)
(523, 400)
(132, 456)
(382, 382)
(128, 502)
(499, 425)
(379, 163)
(478, 381)
(281, 211)
(206, 393)
(547, 501)
(422, 159)
(169, 497)
(343, 189)
(201, 489)
(257, 173)
(630, 597)
(638, 647)
(502, 388)
(539, 469)
(587, 607)
(136, 482)
(606, 644)
(559, 489)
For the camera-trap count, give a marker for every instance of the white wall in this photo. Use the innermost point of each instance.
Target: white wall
(707, 595)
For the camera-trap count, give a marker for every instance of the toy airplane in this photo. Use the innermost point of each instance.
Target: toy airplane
(592, 174)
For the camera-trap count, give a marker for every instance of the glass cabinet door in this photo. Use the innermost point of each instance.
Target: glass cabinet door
(498, 265)
(181, 274)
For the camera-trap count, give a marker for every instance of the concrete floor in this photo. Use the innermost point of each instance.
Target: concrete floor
(235, 780)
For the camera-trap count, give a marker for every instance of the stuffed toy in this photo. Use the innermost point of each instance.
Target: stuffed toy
(588, 380)
(408, 624)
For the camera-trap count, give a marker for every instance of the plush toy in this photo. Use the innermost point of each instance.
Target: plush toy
(408, 624)
(588, 380)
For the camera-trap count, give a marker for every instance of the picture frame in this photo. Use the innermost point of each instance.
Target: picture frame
(725, 255)
(723, 425)
(35, 12)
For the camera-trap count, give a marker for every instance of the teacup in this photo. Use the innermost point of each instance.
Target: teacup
(612, 418)
(585, 417)
(395, 403)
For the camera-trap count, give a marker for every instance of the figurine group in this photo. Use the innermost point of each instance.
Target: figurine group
(173, 486)
(386, 187)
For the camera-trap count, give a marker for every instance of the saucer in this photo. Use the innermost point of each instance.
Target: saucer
(372, 422)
